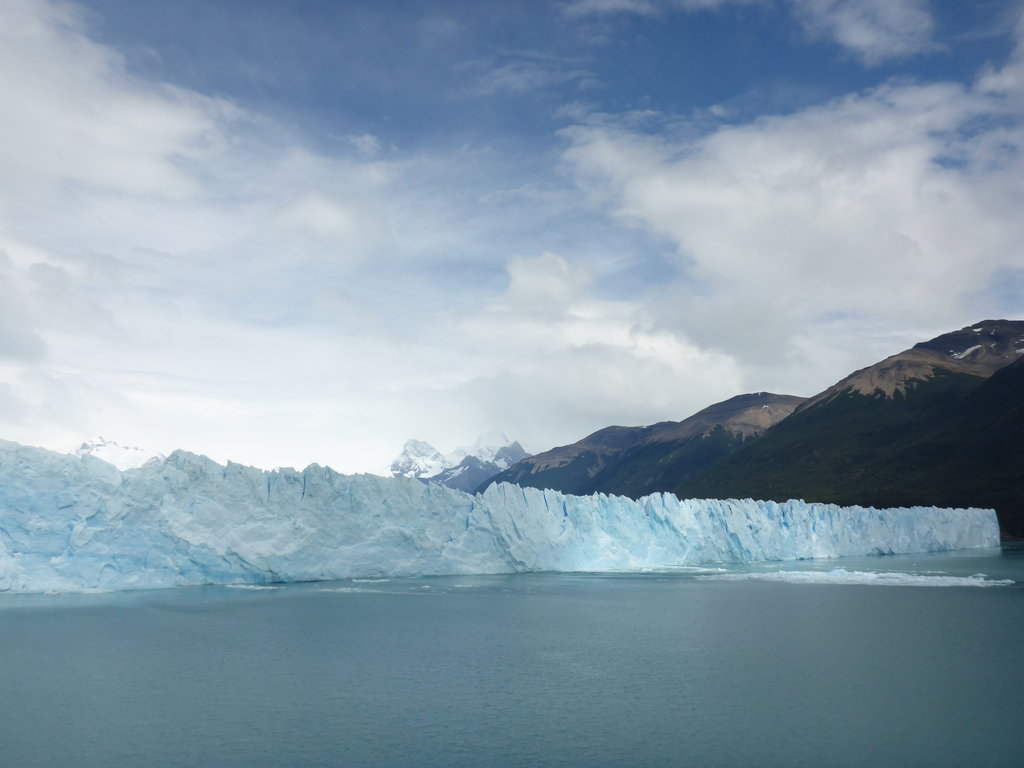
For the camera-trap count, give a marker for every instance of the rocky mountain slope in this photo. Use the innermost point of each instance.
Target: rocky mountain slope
(635, 461)
(940, 423)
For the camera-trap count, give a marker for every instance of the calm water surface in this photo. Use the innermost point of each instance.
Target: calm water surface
(665, 669)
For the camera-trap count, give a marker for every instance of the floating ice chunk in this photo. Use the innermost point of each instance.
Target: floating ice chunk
(874, 578)
(258, 587)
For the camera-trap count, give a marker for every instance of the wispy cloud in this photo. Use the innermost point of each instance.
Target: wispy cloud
(600, 7)
(644, 7)
(873, 30)
(524, 77)
(519, 72)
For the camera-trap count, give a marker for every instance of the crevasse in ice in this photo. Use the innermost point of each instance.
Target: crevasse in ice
(74, 523)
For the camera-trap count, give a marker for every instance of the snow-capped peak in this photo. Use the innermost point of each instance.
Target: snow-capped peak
(418, 459)
(490, 454)
(121, 456)
(485, 448)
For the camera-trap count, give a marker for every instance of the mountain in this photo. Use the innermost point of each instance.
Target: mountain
(121, 456)
(418, 459)
(634, 461)
(939, 423)
(472, 472)
(465, 468)
(979, 350)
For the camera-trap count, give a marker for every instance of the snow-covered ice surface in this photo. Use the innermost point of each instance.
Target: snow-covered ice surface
(76, 523)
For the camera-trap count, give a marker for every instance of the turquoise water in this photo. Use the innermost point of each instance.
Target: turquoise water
(731, 667)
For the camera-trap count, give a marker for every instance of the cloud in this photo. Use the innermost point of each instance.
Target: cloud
(181, 272)
(73, 115)
(545, 280)
(329, 217)
(165, 254)
(597, 7)
(527, 76)
(895, 207)
(874, 30)
(366, 144)
(1008, 80)
(193, 275)
(18, 340)
(644, 7)
(557, 361)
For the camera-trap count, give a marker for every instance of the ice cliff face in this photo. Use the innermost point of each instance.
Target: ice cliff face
(71, 523)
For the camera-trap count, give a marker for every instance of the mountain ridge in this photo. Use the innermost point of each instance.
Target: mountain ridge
(889, 434)
(465, 468)
(896, 432)
(595, 463)
(978, 350)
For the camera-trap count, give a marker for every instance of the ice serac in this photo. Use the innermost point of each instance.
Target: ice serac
(74, 523)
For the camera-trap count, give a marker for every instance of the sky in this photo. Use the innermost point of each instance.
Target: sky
(294, 231)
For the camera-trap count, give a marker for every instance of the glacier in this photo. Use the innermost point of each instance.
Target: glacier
(76, 523)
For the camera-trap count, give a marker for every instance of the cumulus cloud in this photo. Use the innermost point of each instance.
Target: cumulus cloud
(897, 204)
(561, 361)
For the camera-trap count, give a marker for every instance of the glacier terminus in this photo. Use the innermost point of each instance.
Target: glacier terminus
(77, 523)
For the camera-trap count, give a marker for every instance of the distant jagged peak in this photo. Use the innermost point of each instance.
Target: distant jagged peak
(486, 447)
(417, 459)
(420, 459)
(121, 456)
(415, 447)
(509, 454)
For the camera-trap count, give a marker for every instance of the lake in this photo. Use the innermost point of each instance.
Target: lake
(809, 663)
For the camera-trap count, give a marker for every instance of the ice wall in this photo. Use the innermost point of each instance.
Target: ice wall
(70, 523)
